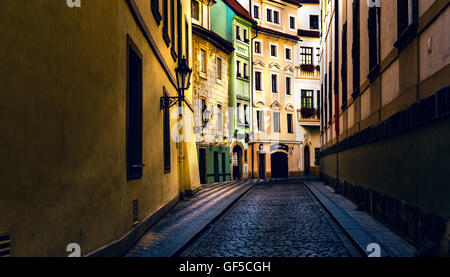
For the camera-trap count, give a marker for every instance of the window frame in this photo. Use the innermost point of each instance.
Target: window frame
(304, 55)
(311, 16)
(295, 22)
(277, 87)
(275, 130)
(134, 162)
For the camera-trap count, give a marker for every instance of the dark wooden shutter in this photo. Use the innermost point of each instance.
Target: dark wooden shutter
(372, 32)
(344, 66)
(402, 16)
(134, 113)
(330, 92)
(356, 49)
(166, 137)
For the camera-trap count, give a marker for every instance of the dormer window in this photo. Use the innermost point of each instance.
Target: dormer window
(195, 10)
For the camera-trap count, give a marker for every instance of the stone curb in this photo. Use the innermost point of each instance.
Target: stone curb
(351, 227)
(180, 243)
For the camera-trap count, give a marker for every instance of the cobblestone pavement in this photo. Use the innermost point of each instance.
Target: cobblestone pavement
(276, 219)
(184, 220)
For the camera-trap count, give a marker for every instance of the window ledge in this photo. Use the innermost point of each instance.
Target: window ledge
(407, 36)
(173, 53)
(156, 14)
(166, 37)
(355, 93)
(374, 73)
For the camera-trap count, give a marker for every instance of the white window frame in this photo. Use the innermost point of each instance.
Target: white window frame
(278, 83)
(221, 69)
(292, 53)
(260, 47)
(236, 32)
(259, 12)
(245, 31)
(270, 50)
(290, 85)
(200, 13)
(271, 15)
(244, 73)
(261, 80)
(295, 22)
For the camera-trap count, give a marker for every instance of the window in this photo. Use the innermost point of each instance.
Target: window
(239, 112)
(256, 12)
(219, 68)
(245, 71)
(306, 55)
(238, 32)
(274, 83)
(406, 15)
(202, 117)
(325, 103)
(356, 49)
(276, 17)
(172, 28)
(195, 9)
(180, 28)
(238, 68)
(246, 114)
(318, 98)
(288, 54)
(273, 51)
(245, 35)
(219, 118)
(203, 61)
(276, 122)
(292, 22)
(134, 113)
(288, 86)
(167, 163)
(330, 91)
(223, 165)
(344, 66)
(307, 99)
(166, 22)
(258, 80)
(314, 22)
(373, 31)
(289, 123)
(186, 41)
(155, 11)
(257, 47)
(260, 120)
(269, 15)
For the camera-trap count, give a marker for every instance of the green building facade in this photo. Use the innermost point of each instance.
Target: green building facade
(230, 20)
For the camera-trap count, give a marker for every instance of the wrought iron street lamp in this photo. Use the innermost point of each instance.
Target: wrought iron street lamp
(183, 73)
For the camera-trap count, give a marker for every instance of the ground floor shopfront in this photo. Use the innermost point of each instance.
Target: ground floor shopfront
(214, 163)
(274, 160)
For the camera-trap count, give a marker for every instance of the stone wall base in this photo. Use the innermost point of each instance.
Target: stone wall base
(429, 231)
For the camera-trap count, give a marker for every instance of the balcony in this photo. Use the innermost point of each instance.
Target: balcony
(307, 71)
(308, 117)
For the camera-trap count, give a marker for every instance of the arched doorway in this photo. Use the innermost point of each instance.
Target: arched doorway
(279, 165)
(307, 160)
(237, 162)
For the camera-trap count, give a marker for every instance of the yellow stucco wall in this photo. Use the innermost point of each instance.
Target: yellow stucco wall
(63, 112)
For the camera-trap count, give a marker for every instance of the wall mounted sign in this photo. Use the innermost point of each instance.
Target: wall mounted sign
(276, 147)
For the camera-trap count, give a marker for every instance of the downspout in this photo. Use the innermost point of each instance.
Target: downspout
(251, 100)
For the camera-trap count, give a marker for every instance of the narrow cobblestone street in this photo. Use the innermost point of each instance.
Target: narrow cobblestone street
(277, 219)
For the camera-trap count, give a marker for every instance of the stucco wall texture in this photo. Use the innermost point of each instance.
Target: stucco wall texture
(63, 112)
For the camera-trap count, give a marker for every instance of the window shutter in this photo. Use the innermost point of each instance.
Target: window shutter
(402, 16)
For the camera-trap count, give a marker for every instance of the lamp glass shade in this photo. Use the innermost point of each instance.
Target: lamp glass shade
(183, 75)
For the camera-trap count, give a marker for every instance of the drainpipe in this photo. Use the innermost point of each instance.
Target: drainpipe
(251, 100)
